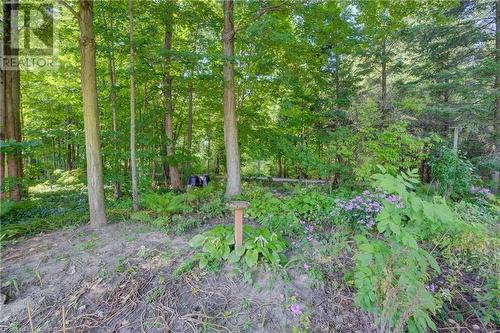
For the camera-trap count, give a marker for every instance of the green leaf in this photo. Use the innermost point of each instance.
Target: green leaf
(203, 262)
(251, 257)
(197, 241)
(235, 256)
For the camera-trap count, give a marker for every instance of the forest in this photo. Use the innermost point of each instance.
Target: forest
(250, 166)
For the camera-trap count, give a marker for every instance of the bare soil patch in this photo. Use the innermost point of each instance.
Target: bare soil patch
(119, 279)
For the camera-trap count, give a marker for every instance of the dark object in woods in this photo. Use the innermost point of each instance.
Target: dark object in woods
(193, 181)
(205, 179)
(198, 181)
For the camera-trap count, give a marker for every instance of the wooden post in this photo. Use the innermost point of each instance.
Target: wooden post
(239, 207)
(456, 131)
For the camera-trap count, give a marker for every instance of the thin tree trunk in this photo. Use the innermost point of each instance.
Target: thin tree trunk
(383, 102)
(2, 132)
(496, 126)
(135, 193)
(91, 115)
(69, 146)
(54, 163)
(11, 98)
(175, 180)
(153, 175)
(142, 113)
(209, 143)
(190, 124)
(233, 186)
(112, 77)
(337, 81)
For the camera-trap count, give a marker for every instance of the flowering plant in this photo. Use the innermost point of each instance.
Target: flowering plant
(362, 209)
(480, 191)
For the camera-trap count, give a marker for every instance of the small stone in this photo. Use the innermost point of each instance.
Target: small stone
(3, 298)
(71, 270)
(476, 327)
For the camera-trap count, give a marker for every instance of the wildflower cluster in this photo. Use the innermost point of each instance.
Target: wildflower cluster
(309, 229)
(363, 208)
(481, 191)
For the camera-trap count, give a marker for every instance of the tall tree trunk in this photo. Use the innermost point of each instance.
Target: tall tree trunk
(153, 174)
(175, 180)
(112, 77)
(337, 81)
(233, 186)
(383, 101)
(2, 132)
(11, 97)
(142, 114)
(135, 193)
(91, 115)
(190, 124)
(496, 126)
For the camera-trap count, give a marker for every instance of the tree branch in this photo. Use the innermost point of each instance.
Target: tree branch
(68, 6)
(265, 10)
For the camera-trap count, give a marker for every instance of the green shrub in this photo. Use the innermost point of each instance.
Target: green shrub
(264, 205)
(69, 177)
(469, 212)
(198, 195)
(5, 207)
(166, 203)
(181, 224)
(215, 208)
(452, 173)
(309, 204)
(391, 282)
(284, 225)
(260, 244)
(391, 273)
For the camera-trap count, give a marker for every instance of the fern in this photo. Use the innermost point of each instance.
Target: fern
(167, 203)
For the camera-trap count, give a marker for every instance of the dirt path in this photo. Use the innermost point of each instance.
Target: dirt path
(119, 279)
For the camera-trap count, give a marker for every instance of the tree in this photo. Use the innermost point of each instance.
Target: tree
(10, 114)
(496, 126)
(113, 88)
(87, 44)
(175, 180)
(233, 186)
(135, 195)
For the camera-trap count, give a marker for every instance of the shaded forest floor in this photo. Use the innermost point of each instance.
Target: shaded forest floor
(119, 279)
(58, 274)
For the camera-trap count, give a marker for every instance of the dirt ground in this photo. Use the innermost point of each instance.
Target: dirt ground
(119, 279)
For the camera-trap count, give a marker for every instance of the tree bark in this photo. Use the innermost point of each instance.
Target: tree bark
(383, 102)
(91, 115)
(175, 180)
(496, 126)
(135, 192)
(11, 99)
(112, 78)
(2, 132)
(190, 124)
(337, 81)
(233, 186)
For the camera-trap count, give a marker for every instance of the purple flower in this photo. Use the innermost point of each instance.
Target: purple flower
(432, 288)
(485, 191)
(295, 308)
(309, 238)
(306, 266)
